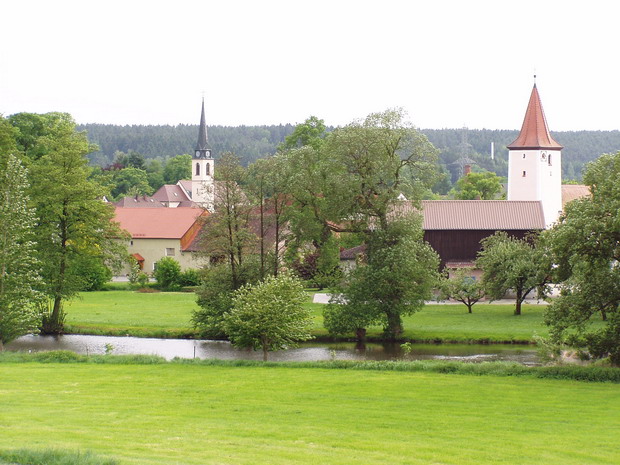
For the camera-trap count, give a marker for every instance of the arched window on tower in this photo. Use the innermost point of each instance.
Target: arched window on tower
(197, 169)
(208, 169)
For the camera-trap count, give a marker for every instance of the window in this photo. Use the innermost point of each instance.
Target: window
(523, 155)
(208, 169)
(197, 169)
(130, 242)
(524, 174)
(170, 252)
(549, 160)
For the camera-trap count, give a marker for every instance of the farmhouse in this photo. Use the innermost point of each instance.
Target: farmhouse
(161, 232)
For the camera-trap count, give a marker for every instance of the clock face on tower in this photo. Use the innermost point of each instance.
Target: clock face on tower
(197, 153)
(208, 153)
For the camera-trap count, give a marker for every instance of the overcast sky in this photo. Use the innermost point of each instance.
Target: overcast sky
(448, 63)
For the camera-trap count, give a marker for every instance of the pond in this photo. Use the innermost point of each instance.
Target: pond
(186, 348)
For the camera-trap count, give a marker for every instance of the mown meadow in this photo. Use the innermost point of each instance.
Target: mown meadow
(191, 413)
(168, 314)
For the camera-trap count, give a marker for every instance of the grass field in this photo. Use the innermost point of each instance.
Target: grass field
(168, 314)
(192, 414)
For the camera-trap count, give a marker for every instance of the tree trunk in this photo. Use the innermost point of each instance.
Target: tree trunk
(360, 335)
(394, 326)
(262, 234)
(469, 306)
(518, 302)
(265, 352)
(1, 346)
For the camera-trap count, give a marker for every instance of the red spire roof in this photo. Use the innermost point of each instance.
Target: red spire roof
(534, 132)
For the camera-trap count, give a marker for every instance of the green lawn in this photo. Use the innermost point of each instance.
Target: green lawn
(168, 314)
(192, 414)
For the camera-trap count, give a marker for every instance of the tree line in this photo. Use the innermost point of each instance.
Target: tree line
(253, 142)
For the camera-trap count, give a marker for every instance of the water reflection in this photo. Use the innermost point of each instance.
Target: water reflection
(183, 348)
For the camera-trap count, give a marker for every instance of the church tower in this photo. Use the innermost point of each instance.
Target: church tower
(202, 167)
(535, 163)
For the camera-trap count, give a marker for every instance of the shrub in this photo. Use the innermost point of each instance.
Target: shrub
(167, 273)
(189, 277)
(91, 273)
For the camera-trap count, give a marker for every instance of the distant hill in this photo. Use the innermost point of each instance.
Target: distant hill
(253, 142)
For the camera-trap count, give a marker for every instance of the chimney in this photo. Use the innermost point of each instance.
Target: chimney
(466, 170)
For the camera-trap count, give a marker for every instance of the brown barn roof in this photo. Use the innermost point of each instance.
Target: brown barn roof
(573, 191)
(482, 215)
(157, 223)
(535, 132)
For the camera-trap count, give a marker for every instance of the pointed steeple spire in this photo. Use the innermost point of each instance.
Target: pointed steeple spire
(534, 132)
(203, 143)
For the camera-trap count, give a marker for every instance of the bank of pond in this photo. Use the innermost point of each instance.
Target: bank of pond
(223, 350)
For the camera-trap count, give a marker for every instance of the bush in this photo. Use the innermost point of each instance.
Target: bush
(91, 273)
(189, 277)
(167, 273)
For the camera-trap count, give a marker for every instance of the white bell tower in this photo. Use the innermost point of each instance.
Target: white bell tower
(535, 163)
(202, 168)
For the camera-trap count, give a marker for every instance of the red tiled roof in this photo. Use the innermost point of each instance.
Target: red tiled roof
(573, 191)
(157, 223)
(484, 215)
(535, 132)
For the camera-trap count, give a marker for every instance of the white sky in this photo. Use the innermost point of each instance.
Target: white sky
(448, 63)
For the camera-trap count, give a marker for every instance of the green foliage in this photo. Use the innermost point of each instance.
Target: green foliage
(215, 296)
(130, 181)
(177, 168)
(189, 277)
(53, 457)
(478, 186)
(167, 274)
(398, 276)
(20, 282)
(310, 133)
(92, 273)
(514, 264)
(269, 315)
(584, 245)
(73, 220)
(463, 287)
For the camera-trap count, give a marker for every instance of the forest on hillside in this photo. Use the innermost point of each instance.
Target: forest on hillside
(254, 142)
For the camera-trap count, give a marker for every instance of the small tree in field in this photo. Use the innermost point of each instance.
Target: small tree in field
(462, 287)
(269, 315)
(510, 263)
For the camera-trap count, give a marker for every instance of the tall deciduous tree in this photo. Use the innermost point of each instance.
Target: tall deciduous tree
(179, 167)
(398, 276)
(73, 219)
(585, 247)
(514, 264)
(20, 283)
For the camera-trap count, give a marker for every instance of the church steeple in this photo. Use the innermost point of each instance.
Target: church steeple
(534, 132)
(203, 149)
(535, 163)
(202, 167)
